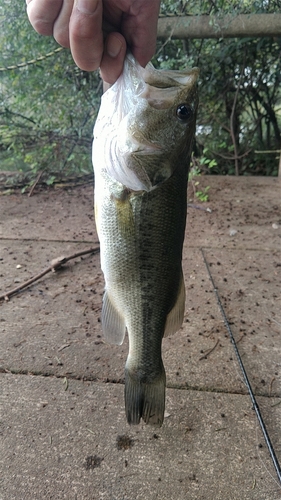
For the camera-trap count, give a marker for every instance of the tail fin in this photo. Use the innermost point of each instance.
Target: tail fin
(145, 400)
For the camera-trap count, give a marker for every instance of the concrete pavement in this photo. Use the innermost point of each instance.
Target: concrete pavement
(64, 434)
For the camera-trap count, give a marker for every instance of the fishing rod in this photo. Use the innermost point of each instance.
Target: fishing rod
(246, 380)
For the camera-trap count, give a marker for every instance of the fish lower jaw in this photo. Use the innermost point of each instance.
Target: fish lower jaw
(138, 145)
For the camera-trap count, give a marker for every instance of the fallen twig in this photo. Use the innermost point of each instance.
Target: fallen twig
(276, 404)
(198, 207)
(56, 263)
(270, 386)
(36, 182)
(245, 376)
(209, 352)
(65, 383)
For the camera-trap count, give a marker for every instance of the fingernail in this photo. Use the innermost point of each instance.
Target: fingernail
(114, 46)
(87, 6)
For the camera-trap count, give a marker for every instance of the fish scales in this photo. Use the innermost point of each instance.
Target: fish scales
(141, 224)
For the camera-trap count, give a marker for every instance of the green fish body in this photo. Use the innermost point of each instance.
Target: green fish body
(141, 153)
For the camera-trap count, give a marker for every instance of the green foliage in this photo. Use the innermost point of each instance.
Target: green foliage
(203, 164)
(203, 195)
(240, 96)
(48, 107)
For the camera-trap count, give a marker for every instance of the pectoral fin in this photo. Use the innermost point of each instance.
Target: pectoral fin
(113, 324)
(175, 317)
(124, 214)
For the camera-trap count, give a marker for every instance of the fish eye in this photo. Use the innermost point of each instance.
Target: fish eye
(184, 112)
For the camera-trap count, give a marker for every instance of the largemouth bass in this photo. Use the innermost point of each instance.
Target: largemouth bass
(141, 153)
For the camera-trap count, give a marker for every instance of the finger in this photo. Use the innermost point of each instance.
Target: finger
(42, 14)
(85, 34)
(143, 53)
(61, 25)
(113, 57)
(140, 29)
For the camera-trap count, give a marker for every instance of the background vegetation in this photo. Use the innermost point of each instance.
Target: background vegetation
(48, 105)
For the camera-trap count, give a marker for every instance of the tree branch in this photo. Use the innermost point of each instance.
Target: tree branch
(228, 26)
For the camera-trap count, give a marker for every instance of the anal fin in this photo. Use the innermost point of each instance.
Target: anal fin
(175, 317)
(113, 324)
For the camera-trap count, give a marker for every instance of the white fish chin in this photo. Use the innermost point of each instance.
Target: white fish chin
(123, 168)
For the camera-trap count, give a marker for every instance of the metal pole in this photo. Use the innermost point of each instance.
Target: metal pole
(246, 380)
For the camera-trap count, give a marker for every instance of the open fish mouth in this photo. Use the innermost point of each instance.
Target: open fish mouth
(151, 112)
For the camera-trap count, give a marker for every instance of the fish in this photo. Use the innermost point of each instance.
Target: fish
(142, 144)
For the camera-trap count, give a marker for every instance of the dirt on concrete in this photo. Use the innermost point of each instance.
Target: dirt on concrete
(53, 329)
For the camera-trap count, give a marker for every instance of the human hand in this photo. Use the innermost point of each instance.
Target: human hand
(99, 31)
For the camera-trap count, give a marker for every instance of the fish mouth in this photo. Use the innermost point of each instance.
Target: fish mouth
(139, 145)
(167, 78)
(160, 87)
(148, 149)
